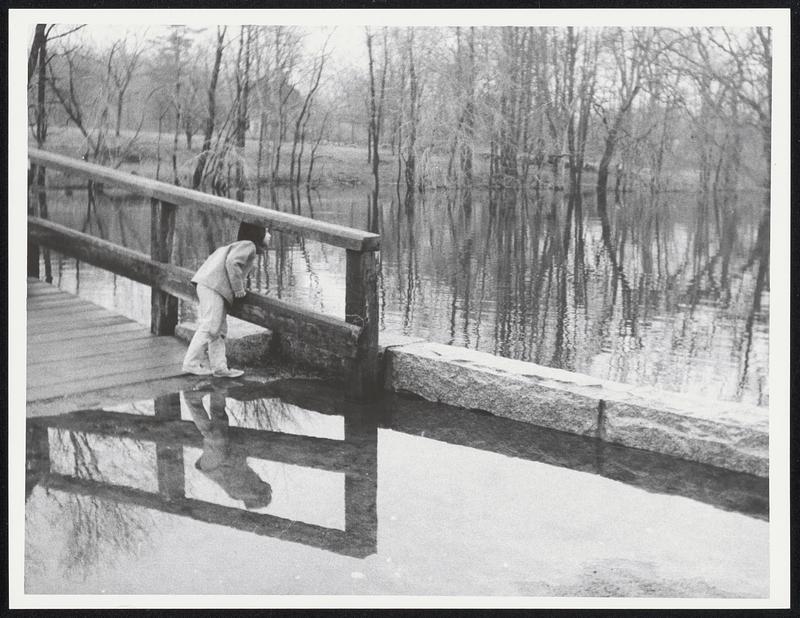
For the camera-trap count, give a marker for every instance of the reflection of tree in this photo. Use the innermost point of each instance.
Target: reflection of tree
(615, 250)
(91, 212)
(462, 239)
(761, 255)
(503, 204)
(97, 530)
(266, 414)
(410, 251)
(375, 225)
(560, 353)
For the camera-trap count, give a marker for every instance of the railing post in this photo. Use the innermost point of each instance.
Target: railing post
(169, 459)
(361, 309)
(37, 456)
(33, 248)
(163, 306)
(361, 485)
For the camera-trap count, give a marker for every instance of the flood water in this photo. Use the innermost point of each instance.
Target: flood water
(242, 487)
(669, 291)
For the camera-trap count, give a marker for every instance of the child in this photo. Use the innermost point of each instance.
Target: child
(219, 281)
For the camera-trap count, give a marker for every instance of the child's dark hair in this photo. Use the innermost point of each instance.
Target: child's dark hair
(251, 231)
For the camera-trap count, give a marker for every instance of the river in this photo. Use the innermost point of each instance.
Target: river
(669, 291)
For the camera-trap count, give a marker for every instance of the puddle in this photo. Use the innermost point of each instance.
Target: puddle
(289, 488)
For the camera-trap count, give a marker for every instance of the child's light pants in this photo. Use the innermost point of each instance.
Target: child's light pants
(212, 326)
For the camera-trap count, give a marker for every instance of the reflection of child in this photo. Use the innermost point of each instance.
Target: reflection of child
(222, 463)
(219, 281)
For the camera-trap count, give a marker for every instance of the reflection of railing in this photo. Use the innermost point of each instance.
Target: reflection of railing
(347, 346)
(355, 457)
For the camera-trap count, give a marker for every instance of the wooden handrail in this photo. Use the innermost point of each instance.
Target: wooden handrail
(329, 233)
(315, 328)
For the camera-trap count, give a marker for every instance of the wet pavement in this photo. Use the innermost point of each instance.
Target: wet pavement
(241, 487)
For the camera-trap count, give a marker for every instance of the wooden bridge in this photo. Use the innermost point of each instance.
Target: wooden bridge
(346, 348)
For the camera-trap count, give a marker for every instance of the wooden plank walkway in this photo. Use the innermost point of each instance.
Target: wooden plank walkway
(75, 346)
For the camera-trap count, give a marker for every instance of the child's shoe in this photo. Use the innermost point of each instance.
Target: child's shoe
(196, 369)
(228, 373)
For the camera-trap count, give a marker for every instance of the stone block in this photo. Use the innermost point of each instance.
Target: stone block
(513, 389)
(728, 435)
(724, 434)
(246, 343)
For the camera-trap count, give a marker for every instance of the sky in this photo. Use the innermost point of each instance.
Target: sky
(346, 43)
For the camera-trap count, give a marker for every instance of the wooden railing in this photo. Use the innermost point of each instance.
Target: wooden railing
(346, 347)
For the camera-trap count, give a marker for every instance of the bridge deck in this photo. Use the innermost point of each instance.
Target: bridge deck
(75, 346)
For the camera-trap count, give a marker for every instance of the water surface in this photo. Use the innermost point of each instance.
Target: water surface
(235, 487)
(669, 291)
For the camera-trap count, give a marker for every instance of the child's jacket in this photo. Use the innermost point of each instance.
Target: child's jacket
(226, 270)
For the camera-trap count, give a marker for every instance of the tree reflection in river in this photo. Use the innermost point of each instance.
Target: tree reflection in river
(667, 290)
(95, 530)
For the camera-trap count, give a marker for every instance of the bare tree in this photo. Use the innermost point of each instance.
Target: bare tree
(303, 115)
(242, 74)
(123, 67)
(211, 112)
(413, 114)
(312, 159)
(629, 50)
(376, 103)
(742, 65)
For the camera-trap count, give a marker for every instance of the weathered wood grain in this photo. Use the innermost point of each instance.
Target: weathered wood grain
(361, 308)
(279, 316)
(48, 392)
(89, 349)
(163, 306)
(89, 341)
(61, 374)
(103, 348)
(66, 327)
(87, 333)
(330, 233)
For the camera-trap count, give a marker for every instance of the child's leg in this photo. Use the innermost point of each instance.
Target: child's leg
(217, 327)
(209, 324)
(196, 354)
(216, 352)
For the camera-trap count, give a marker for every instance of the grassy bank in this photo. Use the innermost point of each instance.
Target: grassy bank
(335, 165)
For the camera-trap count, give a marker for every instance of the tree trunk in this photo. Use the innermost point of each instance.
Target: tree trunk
(413, 85)
(373, 131)
(212, 106)
(314, 149)
(259, 157)
(243, 94)
(175, 179)
(120, 96)
(611, 142)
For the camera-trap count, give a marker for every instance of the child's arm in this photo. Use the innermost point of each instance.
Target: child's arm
(239, 263)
